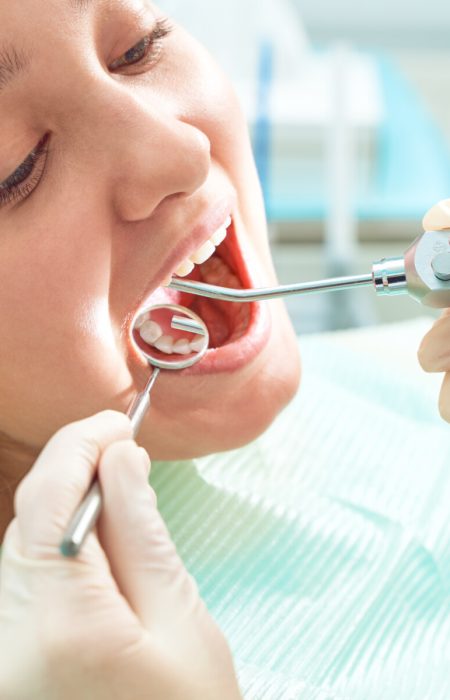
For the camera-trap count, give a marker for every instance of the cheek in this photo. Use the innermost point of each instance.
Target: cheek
(58, 341)
(203, 95)
(206, 98)
(222, 119)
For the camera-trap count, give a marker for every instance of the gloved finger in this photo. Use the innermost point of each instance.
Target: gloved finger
(434, 350)
(47, 497)
(444, 398)
(142, 556)
(438, 217)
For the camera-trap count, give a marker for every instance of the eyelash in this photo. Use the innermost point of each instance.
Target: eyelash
(27, 176)
(151, 44)
(23, 180)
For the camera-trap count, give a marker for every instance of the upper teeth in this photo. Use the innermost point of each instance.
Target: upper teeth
(204, 252)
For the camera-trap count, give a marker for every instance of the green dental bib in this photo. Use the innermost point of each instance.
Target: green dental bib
(323, 548)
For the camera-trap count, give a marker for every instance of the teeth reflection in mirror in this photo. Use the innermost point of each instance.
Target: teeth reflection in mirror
(140, 322)
(165, 344)
(150, 332)
(197, 344)
(182, 347)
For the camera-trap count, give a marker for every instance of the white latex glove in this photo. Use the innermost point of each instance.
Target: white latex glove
(123, 620)
(434, 352)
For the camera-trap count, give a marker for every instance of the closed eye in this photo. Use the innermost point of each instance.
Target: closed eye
(22, 182)
(147, 51)
(27, 176)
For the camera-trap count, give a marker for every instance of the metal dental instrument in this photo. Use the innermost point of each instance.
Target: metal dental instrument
(183, 323)
(423, 272)
(88, 511)
(86, 516)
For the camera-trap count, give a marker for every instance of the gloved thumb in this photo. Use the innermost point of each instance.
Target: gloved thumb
(438, 217)
(143, 558)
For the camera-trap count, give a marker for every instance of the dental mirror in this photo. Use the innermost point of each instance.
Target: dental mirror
(169, 337)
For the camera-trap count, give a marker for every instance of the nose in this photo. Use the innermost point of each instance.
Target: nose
(154, 154)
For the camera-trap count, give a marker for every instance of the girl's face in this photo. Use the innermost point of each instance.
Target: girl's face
(122, 150)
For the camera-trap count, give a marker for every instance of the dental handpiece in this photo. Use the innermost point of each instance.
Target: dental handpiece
(423, 272)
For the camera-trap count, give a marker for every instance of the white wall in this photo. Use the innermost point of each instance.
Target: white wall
(232, 31)
(421, 23)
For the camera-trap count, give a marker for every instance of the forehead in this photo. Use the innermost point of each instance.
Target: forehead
(21, 14)
(19, 29)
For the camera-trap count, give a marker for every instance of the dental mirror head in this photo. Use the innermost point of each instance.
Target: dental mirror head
(169, 336)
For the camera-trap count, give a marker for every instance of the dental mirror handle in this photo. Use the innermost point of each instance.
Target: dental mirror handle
(88, 511)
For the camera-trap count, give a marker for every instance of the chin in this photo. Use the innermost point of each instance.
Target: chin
(249, 373)
(227, 411)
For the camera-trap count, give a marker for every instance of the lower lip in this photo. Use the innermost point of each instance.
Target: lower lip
(235, 355)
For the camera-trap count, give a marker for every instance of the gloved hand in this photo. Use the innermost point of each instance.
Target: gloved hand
(123, 620)
(434, 351)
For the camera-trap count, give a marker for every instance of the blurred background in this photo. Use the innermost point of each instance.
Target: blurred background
(348, 106)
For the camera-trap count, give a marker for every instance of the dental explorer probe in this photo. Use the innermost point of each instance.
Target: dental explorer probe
(423, 272)
(88, 511)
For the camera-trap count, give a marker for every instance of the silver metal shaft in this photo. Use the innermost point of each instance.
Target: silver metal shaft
(242, 295)
(88, 511)
(141, 403)
(183, 323)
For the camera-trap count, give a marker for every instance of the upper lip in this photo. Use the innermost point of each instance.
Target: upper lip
(206, 224)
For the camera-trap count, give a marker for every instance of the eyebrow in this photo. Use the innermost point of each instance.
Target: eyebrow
(81, 5)
(12, 64)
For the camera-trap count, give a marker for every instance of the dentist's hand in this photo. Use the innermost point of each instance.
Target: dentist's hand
(124, 620)
(434, 352)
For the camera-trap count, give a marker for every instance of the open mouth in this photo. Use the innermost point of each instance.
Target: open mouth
(219, 261)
